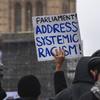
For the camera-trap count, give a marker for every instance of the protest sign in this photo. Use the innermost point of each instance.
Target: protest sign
(11, 95)
(57, 31)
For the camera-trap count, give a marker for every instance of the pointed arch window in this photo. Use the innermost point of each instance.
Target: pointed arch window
(39, 8)
(28, 15)
(17, 17)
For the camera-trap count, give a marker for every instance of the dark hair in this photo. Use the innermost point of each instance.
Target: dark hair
(96, 54)
(94, 64)
(94, 61)
(29, 86)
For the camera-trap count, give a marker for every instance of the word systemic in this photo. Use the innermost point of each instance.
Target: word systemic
(59, 31)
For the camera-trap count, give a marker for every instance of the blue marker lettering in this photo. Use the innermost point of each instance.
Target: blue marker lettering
(75, 28)
(38, 41)
(41, 51)
(38, 30)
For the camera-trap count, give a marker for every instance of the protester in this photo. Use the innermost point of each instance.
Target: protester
(29, 88)
(59, 78)
(81, 83)
(94, 70)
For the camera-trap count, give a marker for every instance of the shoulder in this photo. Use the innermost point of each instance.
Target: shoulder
(66, 93)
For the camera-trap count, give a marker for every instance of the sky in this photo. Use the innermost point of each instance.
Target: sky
(89, 22)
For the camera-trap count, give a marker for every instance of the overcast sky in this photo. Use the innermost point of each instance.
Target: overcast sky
(89, 23)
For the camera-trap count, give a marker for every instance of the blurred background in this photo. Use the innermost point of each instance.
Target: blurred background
(17, 49)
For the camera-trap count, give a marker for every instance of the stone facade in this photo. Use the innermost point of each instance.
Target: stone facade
(8, 11)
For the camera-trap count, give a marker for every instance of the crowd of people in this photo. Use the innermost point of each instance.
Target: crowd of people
(85, 86)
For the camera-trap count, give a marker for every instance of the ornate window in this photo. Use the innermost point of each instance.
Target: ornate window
(28, 15)
(39, 8)
(17, 17)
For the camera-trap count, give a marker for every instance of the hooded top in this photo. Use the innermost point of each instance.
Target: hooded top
(82, 82)
(81, 73)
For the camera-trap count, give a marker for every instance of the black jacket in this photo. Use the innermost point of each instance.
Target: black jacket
(88, 96)
(81, 83)
(59, 81)
(2, 93)
(27, 98)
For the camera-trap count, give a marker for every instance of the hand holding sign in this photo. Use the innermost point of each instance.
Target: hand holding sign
(59, 58)
(54, 32)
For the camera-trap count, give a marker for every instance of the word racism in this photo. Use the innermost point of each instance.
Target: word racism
(58, 31)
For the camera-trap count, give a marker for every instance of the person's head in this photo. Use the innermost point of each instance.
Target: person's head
(94, 67)
(96, 54)
(92, 62)
(29, 87)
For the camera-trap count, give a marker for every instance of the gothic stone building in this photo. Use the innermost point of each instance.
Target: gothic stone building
(19, 53)
(15, 15)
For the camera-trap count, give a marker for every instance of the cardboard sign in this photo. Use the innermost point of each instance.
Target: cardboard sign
(57, 31)
(11, 95)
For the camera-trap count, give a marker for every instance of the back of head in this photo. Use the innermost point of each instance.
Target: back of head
(81, 73)
(94, 64)
(96, 54)
(29, 86)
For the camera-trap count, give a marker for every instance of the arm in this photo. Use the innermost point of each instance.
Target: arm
(59, 78)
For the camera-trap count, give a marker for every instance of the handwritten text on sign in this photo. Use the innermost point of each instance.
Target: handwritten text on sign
(57, 31)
